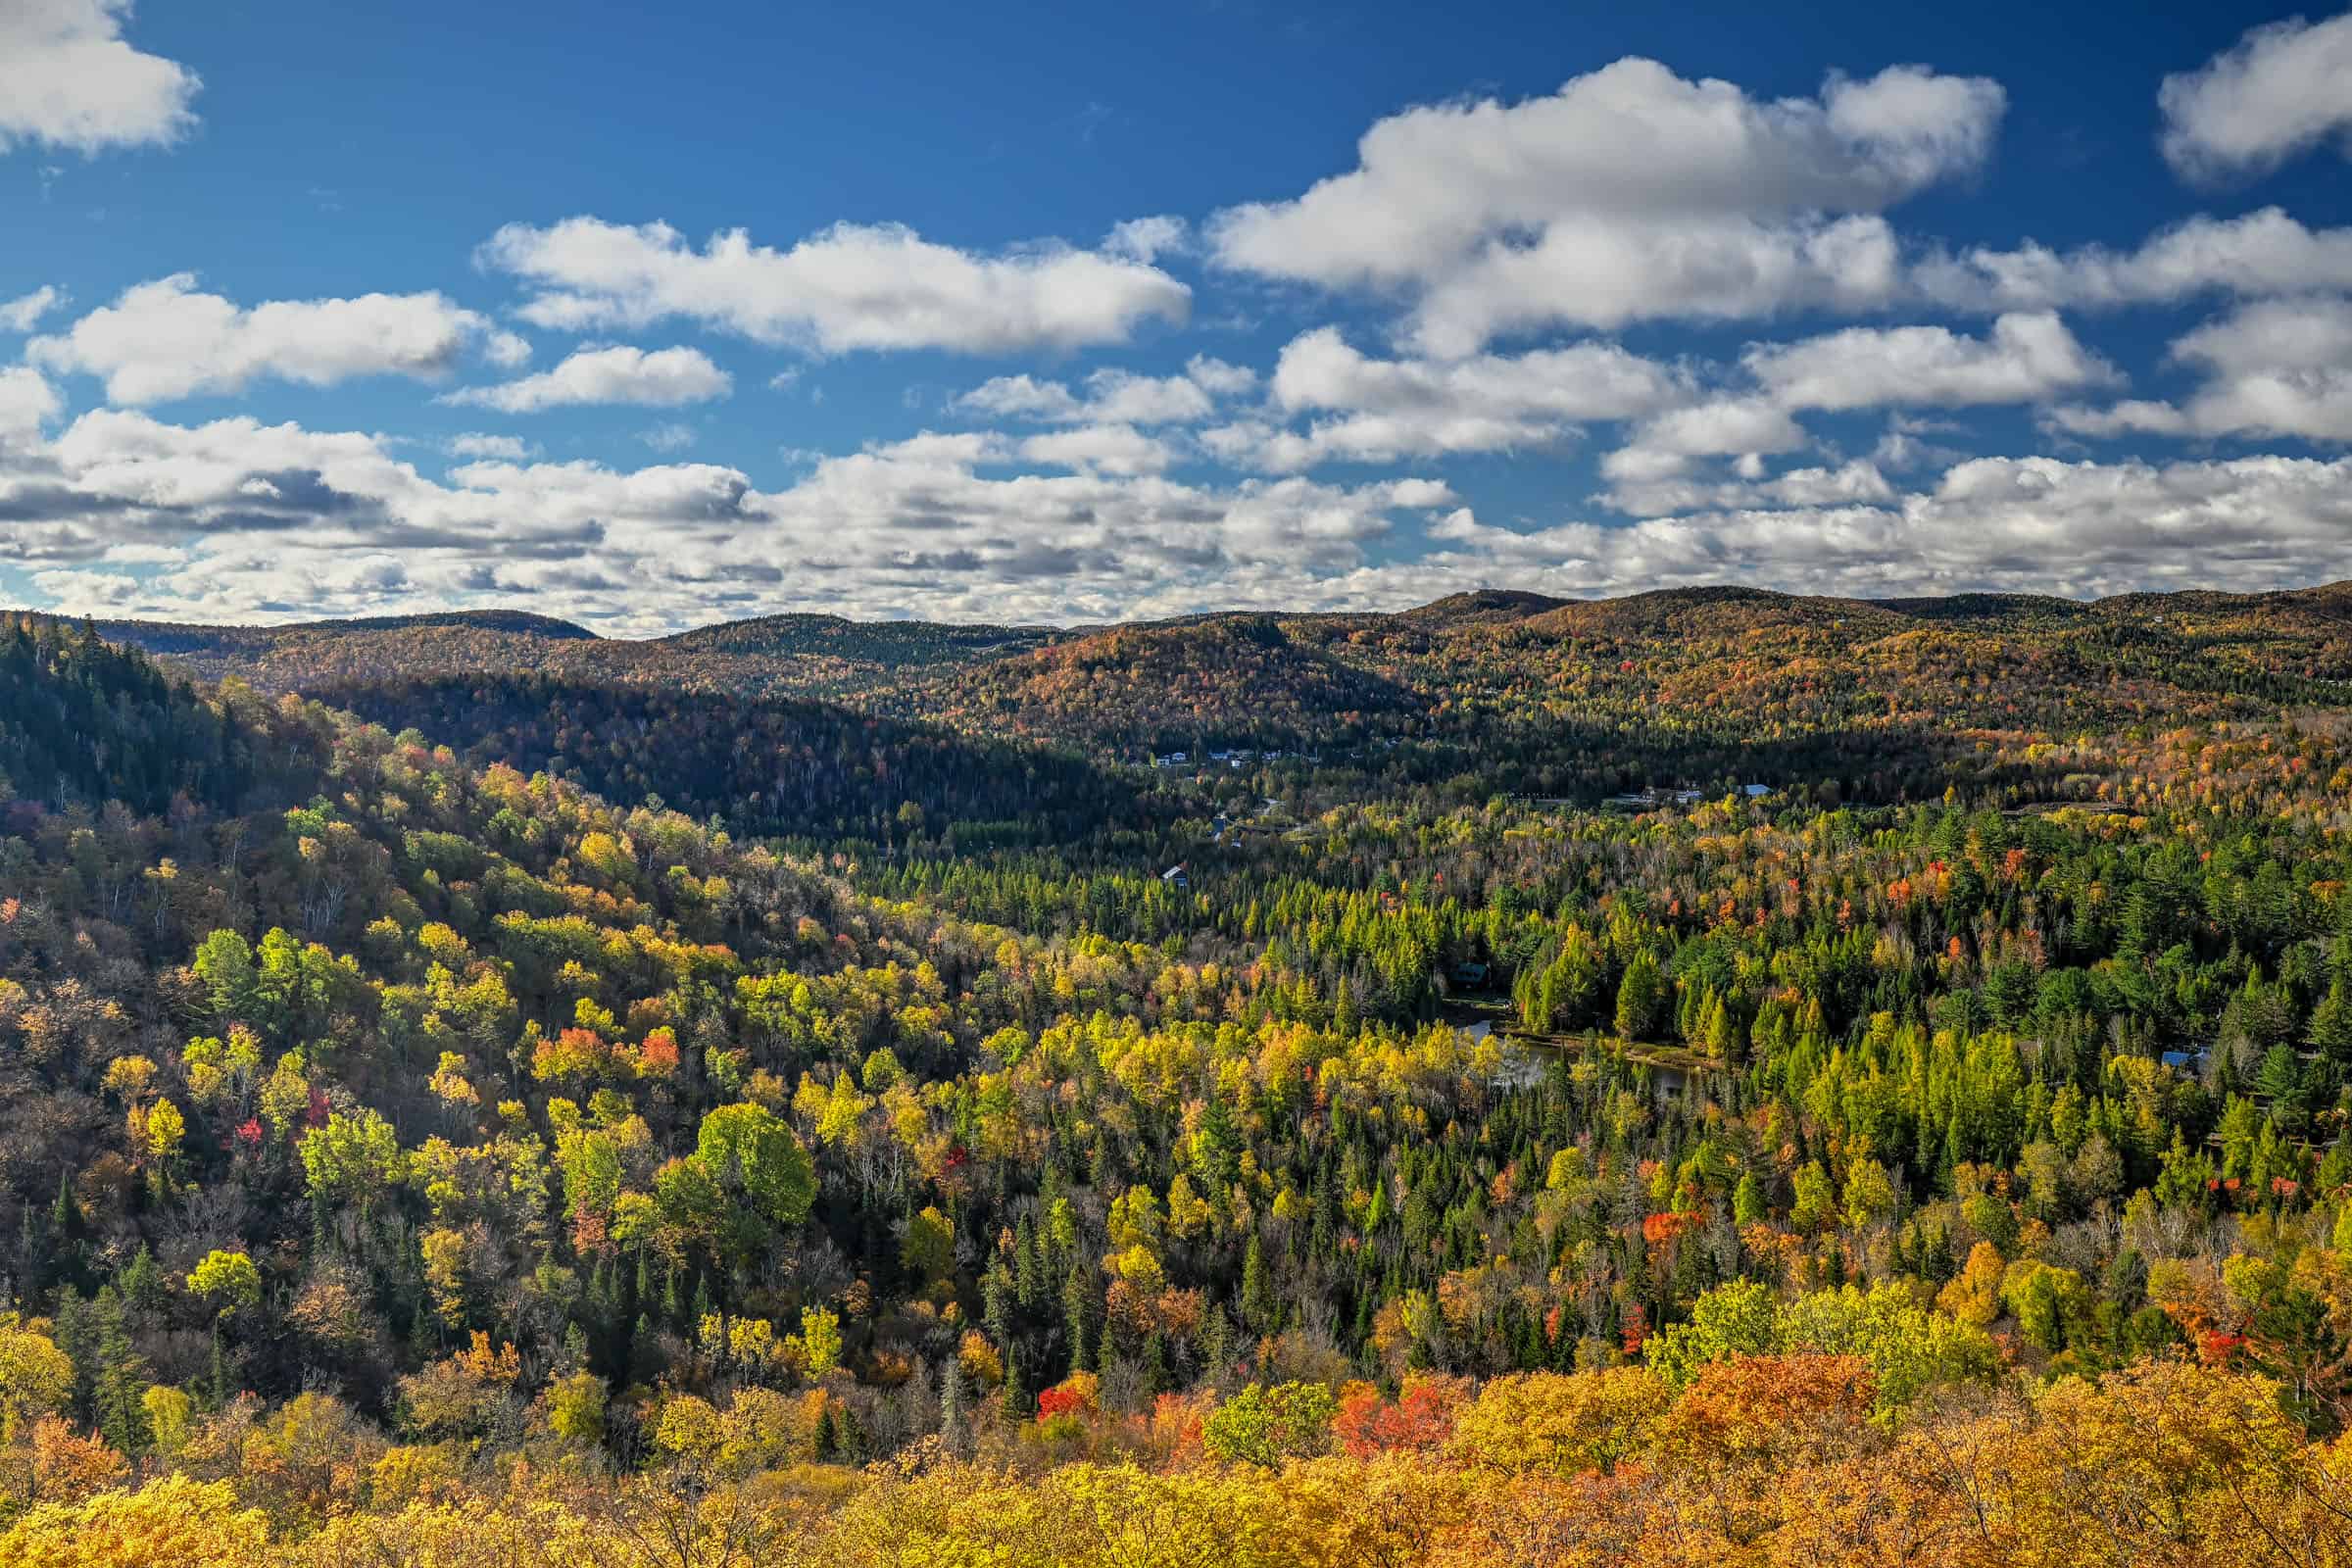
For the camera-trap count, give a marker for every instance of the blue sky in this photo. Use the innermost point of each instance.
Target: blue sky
(1076, 313)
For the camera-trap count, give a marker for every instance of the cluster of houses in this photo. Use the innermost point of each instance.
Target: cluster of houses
(1242, 755)
(1237, 758)
(1656, 796)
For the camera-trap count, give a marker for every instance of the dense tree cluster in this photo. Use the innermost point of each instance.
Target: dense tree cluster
(81, 719)
(412, 1147)
(813, 656)
(775, 766)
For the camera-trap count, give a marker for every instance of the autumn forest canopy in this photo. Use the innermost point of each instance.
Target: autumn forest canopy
(1707, 1077)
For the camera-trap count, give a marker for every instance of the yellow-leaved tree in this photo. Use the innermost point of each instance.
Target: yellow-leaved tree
(172, 1522)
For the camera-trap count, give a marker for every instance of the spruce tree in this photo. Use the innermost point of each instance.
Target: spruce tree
(825, 1440)
(951, 1406)
(1156, 1365)
(1028, 1269)
(117, 1378)
(1018, 1406)
(1078, 1313)
(142, 1281)
(1258, 1290)
(996, 1304)
(2330, 1031)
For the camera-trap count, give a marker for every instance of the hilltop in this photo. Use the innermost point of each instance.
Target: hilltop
(1701, 672)
(1227, 678)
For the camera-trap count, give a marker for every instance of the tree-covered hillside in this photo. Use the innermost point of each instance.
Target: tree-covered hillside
(1513, 679)
(414, 1146)
(81, 720)
(803, 770)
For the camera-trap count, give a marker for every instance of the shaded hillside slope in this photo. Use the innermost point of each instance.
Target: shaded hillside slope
(775, 766)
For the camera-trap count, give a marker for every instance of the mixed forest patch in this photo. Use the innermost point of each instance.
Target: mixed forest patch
(1713, 1078)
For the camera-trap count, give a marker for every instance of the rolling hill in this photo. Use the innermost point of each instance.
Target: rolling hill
(1453, 671)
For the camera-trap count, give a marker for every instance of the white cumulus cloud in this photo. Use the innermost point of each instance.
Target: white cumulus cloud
(23, 313)
(2272, 368)
(848, 287)
(124, 513)
(1106, 448)
(506, 351)
(2025, 358)
(1111, 396)
(478, 444)
(69, 79)
(167, 339)
(2284, 89)
(1629, 194)
(27, 403)
(2261, 253)
(665, 378)
(1146, 239)
(1364, 408)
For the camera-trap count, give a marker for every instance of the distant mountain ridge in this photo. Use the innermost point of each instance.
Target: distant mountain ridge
(912, 641)
(151, 634)
(800, 630)
(1463, 668)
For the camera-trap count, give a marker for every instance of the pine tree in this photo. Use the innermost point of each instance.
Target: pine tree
(1530, 1347)
(1217, 1148)
(644, 1345)
(1156, 1365)
(424, 1329)
(1078, 1313)
(996, 1302)
(1258, 1290)
(1028, 1270)
(64, 1214)
(1216, 1344)
(142, 1281)
(74, 1333)
(951, 1406)
(2330, 1032)
(826, 1440)
(604, 1296)
(1018, 1406)
(1747, 1200)
(2280, 1079)
(32, 1253)
(1724, 1039)
(117, 1378)
(1638, 996)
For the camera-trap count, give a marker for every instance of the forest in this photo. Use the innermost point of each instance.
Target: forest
(1704, 1078)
